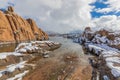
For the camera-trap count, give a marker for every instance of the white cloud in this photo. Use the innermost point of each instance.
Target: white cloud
(66, 15)
(113, 6)
(57, 15)
(5, 3)
(104, 10)
(107, 22)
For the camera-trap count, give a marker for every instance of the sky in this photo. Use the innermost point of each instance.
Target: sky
(68, 15)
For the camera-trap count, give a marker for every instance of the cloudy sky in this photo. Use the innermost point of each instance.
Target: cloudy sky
(68, 15)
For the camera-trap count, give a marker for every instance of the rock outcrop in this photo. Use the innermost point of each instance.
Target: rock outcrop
(106, 46)
(88, 33)
(39, 34)
(13, 28)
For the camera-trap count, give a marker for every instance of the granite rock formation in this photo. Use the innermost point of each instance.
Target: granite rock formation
(14, 28)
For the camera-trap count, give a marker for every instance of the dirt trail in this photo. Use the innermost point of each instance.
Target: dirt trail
(66, 63)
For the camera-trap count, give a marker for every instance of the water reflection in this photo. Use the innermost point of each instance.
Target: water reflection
(7, 47)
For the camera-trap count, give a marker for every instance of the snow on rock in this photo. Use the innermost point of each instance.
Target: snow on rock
(105, 77)
(34, 46)
(103, 48)
(105, 44)
(106, 47)
(5, 54)
(111, 56)
(12, 67)
(109, 53)
(114, 70)
(18, 76)
(44, 42)
(100, 39)
(96, 48)
(113, 59)
(24, 47)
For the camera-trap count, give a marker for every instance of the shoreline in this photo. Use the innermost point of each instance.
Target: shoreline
(24, 58)
(99, 65)
(105, 47)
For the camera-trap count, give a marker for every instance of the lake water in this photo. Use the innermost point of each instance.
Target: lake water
(68, 46)
(7, 47)
(75, 66)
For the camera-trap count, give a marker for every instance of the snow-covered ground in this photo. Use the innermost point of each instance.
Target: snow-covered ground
(18, 76)
(12, 67)
(5, 54)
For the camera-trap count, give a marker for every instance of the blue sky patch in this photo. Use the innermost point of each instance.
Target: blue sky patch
(101, 5)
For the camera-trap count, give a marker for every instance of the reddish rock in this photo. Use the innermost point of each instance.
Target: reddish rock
(103, 32)
(115, 46)
(13, 28)
(39, 34)
(106, 33)
(10, 8)
(88, 33)
(87, 29)
(6, 33)
(111, 37)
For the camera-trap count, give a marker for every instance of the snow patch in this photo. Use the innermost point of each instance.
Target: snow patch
(12, 67)
(23, 47)
(5, 54)
(33, 45)
(113, 59)
(109, 53)
(116, 72)
(18, 76)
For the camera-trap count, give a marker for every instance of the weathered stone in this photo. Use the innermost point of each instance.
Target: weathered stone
(13, 28)
(6, 32)
(88, 33)
(39, 34)
(111, 37)
(87, 29)
(103, 32)
(10, 8)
